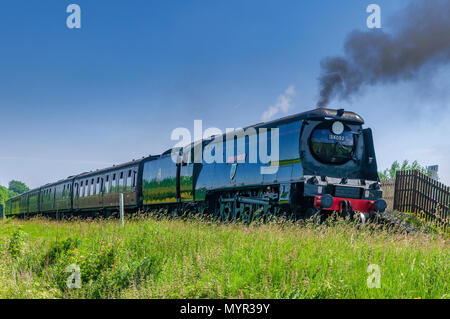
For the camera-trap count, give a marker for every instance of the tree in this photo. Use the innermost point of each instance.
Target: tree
(391, 172)
(5, 194)
(18, 187)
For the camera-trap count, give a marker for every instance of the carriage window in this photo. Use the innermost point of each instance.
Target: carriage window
(97, 186)
(81, 190)
(134, 178)
(113, 184)
(128, 187)
(86, 189)
(106, 185)
(120, 187)
(92, 187)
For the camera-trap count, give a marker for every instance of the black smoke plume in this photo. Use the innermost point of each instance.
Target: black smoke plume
(421, 40)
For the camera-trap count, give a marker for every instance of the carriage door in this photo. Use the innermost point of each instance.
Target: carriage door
(186, 170)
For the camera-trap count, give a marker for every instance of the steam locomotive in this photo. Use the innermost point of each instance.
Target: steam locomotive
(326, 164)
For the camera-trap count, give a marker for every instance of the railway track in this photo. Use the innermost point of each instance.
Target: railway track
(259, 216)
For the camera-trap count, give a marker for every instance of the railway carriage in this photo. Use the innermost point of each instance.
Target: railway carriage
(326, 164)
(46, 200)
(99, 190)
(33, 201)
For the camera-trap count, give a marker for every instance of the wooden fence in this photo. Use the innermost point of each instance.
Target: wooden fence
(388, 187)
(417, 193)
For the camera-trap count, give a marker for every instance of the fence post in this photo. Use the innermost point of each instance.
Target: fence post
(122, 210)
(415, 196)
(396, 192)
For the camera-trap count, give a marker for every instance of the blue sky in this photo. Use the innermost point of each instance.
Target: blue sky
(76, 100)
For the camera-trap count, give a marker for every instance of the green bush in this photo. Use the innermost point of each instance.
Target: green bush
(17, 243)
(91, 263)
(58, 249)
(110, 283)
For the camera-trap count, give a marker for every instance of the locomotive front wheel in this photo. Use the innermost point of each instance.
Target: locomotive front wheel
(314, 214)
(362, 217)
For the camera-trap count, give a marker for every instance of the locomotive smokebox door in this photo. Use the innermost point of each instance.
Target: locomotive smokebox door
(285, 193)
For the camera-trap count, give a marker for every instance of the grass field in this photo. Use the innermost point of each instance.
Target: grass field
(162, 258)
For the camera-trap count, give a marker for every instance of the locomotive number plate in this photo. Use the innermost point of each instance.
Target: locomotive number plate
(336, 137)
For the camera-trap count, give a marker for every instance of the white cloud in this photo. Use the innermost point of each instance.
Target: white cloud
(283, 104)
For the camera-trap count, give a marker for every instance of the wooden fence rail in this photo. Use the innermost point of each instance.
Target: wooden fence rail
(417, 193)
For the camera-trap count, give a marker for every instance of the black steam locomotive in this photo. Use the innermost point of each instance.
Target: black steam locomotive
(326, 164)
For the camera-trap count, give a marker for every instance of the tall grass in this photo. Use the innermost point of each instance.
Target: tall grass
(175, 258)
